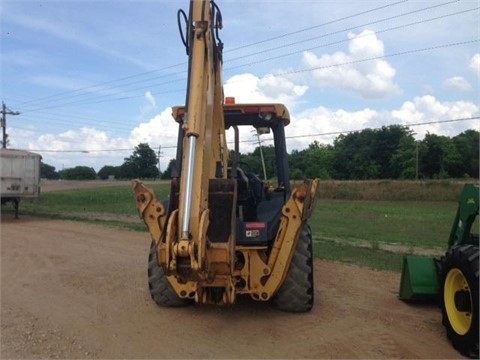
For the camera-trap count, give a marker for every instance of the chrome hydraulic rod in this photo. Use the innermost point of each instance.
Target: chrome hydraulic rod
(192, 142)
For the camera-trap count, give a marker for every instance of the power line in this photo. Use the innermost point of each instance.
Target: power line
(85, 102)
(346, 29)
(290, 53)
(72, 92)
(104, 98)
(61, 94)
(379, 128)
(82, 150)
(271, 139)
(314, 27)
(377, 57)
(67, 119)
(97, 99)
(90, 87)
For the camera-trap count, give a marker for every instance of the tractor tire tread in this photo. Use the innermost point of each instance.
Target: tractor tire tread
(466, 259)
(296, 293)
(160, 289)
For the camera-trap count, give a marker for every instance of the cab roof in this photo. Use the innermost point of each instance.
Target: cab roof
(234, 112)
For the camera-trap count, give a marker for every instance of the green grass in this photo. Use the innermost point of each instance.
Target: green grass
(393, 190)
(407, 223)
(110, 206)
(372, 258)
(360, 231)
(356, 231)
(115, 200)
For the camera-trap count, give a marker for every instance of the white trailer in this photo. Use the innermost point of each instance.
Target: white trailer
(19, 176)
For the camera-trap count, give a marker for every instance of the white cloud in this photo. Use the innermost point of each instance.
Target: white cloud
(475, 64)
(149, 97)
(248, 88)
(321, 124)
(428, 109)
(150, 105)
(324, 124)
(161, 130)
(64, 150)
(370, 79)
(457, 83)
(279, 89)
(365, 45)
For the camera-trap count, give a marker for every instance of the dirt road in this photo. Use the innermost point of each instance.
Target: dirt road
(74, 290)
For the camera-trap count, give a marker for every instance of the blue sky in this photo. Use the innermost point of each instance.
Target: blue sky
(92, 78)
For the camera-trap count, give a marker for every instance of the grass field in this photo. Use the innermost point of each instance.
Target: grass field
(373, 233)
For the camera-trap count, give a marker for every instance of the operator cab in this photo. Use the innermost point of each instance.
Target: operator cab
(263, 183)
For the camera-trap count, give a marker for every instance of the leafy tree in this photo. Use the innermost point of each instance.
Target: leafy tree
(405, 159)
(107, 171)
(141, 164)
(438, 156)
(467, 145)
(252, 162)
(255, 161)
(296, 174)
(368, 154)
(386, 153)
(316, 161)
(354, 156)
(78, 173)
(48, 172)
(319, 162)
(388, 142)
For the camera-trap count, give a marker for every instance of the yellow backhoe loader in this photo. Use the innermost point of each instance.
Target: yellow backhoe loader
(224, 231)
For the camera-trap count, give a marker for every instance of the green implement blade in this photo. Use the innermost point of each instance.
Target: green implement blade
(419, 280)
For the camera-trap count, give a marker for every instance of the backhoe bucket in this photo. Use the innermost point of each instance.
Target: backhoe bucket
(419, 281)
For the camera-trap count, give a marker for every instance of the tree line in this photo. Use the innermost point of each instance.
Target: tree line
(141, 164)
(390, 152)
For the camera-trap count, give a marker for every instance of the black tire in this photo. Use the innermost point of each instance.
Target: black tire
(160, 289)
(296, 293)
(459, 298)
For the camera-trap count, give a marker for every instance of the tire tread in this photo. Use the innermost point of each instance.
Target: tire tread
(466, 259)
(296, 293)
(160, 289)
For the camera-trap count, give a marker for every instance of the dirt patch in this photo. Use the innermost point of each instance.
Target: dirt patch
(395, 248)
(74, 290)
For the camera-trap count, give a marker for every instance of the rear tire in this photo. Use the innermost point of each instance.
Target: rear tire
(296, 293)
(160, 289)
(459, 298)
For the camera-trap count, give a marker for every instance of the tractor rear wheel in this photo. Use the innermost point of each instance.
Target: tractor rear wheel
(296, 292)
(160, 289)
(459, 298)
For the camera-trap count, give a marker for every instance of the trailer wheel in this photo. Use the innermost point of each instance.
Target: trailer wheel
(459, 298)
(160, 289)
(296, 293)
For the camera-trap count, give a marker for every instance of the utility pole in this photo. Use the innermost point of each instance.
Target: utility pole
(261, 155)
(159, 156)
(6, 111)
(416, 160)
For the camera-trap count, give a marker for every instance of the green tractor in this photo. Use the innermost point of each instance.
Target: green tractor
(452, 280)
